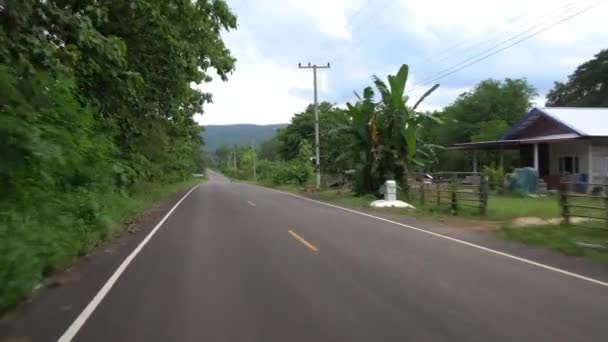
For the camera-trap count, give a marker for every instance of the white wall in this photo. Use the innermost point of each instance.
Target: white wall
(579, 148)
(599, 150)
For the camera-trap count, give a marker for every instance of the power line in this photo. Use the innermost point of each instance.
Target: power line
(504, 41)
(506, 31)
(518, 41)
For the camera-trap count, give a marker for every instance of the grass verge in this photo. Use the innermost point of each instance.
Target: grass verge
(561, 238)
(38, 240)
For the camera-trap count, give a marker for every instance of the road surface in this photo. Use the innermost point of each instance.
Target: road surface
(235, 262)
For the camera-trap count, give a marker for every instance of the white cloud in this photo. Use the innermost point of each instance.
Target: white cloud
(331, 17)
(454, 31)
(260, 90)
(365, 37)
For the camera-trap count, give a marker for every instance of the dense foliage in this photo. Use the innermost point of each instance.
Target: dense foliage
(96, 102)
(482, 114)
(302, 127)
(385, 136)
(586, 87)
(376, 140)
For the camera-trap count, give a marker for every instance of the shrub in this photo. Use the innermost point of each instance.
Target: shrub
(496, 177)
(292, 172)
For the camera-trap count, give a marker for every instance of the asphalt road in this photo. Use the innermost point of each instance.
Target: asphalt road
(235, 262)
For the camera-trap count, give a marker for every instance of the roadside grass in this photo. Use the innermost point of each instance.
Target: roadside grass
(500, 207)
(36, 241)
(506, 207)
(562, 238)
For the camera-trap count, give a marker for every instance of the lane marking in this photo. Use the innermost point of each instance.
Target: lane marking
(466, 243)
(73, 329)
(304, 242)
(251, 203)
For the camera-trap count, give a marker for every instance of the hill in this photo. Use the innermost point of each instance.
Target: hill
(240, 134)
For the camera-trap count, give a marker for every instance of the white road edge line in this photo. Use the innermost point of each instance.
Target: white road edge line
(507, 255)
(73, 329)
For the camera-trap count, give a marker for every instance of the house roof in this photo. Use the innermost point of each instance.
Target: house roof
(513, 144)
(586, 122)
(548, 124)
(591, 122)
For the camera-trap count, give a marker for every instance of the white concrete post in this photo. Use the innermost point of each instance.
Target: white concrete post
(390, 190)
(536, 158)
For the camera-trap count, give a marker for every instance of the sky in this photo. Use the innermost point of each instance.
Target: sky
(361, 38)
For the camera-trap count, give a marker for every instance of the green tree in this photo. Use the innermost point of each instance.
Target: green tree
(269, 149)
(586, 87)
(95, 102)
(482, 114)
(385, 136)
(302, 127)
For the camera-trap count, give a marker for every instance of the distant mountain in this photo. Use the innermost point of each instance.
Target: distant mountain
(240, 134)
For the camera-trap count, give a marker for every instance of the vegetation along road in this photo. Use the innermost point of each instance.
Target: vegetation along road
(113, 229)
(237, 262)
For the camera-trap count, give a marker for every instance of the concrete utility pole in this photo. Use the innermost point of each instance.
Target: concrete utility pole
(255, 177)
(314, 68)
(234, 159)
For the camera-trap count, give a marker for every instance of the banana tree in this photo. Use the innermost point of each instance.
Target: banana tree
(399, 125)
(363, 142)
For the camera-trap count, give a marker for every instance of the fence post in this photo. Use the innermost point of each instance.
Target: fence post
(422, 199)
(438, 195)
(483, 194)
(454, 204)
(606, 208)
(563, 201)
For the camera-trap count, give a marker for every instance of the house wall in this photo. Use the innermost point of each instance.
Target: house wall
(599, 150)
(579, 148)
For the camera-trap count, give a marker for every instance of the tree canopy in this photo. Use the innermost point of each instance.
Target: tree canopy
(302, 127)
(586, 87)
(482, 114)
(96, 100)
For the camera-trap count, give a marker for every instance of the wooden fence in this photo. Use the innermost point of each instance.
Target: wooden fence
(453, 189)
(592, 208)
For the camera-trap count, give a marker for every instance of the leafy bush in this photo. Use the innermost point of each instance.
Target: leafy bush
(96, 104)
(292, 172)
(496, 177)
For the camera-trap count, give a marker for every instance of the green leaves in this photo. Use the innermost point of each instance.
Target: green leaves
(424, 96)
(385, 136)
(95, 100)
(586, 87)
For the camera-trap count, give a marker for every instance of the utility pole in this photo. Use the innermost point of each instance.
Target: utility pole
(314, 68)
(255, 177)
(234, 159)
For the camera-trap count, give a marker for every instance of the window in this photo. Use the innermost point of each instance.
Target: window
(568, 164)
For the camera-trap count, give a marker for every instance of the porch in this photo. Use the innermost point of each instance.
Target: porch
(561, 144)
(556, 159)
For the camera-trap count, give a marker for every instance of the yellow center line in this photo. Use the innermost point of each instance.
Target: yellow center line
(304, 242)
(251, 203)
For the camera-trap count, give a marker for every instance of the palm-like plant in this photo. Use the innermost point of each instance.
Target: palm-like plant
(385, 134)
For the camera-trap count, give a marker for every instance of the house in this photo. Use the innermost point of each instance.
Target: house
(559, 142)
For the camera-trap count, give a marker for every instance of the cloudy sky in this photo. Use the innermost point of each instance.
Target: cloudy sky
(365, 37)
